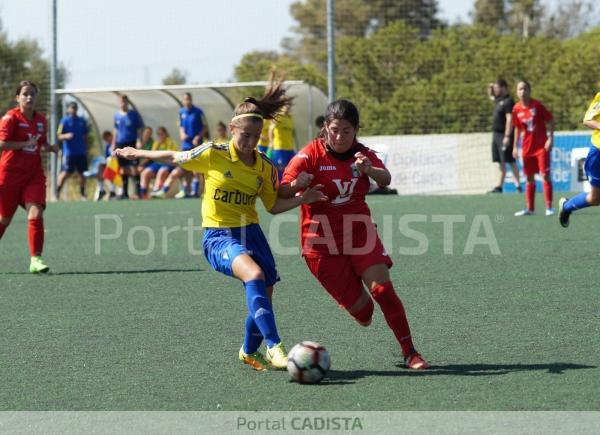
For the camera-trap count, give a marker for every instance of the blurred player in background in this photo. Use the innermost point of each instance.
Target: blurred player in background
(127, 133)
(339, 239)
(73, 131)
(502, 133)
(23, 134)
(191, 134)
(534, 126)
(592, 168)
(234, 243)
(107, 140)
(221, 133)
(281, 140)
(156, 169)
(263, 142)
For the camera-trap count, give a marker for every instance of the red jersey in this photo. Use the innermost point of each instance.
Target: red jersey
(15, 127)
(531, 120)
(329, 228)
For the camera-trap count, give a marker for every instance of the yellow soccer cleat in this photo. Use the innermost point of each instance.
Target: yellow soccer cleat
(277, 356)
(256, 360)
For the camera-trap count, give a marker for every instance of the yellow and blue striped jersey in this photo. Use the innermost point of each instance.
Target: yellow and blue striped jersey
(283, 133)
(230, 186)
(593, 114)
(264, 134)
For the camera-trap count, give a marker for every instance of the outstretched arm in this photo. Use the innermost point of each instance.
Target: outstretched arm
(130, 153)
(310, 195)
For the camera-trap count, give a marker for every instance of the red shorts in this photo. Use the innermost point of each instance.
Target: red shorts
(340, 275)
(537, 163)
(14, 195)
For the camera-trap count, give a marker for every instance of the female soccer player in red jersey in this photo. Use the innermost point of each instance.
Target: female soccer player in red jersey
(23, 133)
(339, 240)
(534, 125)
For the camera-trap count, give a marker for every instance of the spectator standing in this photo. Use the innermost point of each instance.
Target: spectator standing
(127, 133)
(73, 131)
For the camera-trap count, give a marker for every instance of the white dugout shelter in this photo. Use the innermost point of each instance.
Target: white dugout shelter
(159, 105)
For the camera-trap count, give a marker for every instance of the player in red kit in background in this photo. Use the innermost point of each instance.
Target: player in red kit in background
(534, 125)
(23, 134)
(339, 240)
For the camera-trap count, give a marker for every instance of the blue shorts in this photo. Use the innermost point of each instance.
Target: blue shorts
(155, 167)
(186, 146)
(592, 167)
(281, 158)
(223, 245)
(72, 164)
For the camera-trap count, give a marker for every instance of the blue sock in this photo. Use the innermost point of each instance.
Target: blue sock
(577, 202)
(143, 190)
(166, 188)
(195, 186)
(261, 310)
(253, 337)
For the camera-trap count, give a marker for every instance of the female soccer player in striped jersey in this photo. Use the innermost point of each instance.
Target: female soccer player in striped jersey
(23, 134)
(235, 175)
(592, 168)
(339, 240)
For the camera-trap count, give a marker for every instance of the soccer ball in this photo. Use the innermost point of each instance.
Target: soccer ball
(308, 362)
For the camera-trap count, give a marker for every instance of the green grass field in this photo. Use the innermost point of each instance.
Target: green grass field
(117, 331)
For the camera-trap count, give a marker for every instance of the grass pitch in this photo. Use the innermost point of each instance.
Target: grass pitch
(119, 331)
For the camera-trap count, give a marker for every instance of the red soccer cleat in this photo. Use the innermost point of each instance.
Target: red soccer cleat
(416, 362)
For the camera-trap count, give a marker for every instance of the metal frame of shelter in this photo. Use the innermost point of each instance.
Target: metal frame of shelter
(159, 105)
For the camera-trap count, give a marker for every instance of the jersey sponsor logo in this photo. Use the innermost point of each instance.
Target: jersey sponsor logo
(234, 197)
(327, 168)
(346, 189)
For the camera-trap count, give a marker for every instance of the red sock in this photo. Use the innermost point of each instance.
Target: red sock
(35, 233)
(2, 229)
(548, 193)
(530, 195)
(395, 316)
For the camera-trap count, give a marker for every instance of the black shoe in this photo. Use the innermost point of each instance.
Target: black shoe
(519, 189)
(496, 189)
(563, 216)
(383, 191)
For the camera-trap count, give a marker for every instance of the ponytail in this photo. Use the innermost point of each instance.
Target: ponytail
(270, 106)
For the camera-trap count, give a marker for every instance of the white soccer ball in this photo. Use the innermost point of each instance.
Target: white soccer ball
(308, 362)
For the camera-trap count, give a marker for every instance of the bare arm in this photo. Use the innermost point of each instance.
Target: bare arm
(310, 195)
(12, 145)
(550, 130)
(130, 153)
(594, 125)
(380, 175)
(289, 190)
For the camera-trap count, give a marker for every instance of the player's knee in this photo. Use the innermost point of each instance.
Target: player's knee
(364, 316)
(5, 221)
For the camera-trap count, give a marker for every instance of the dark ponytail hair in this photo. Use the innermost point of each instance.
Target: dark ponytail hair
(270, 105)
(341, 109)
(24, 83)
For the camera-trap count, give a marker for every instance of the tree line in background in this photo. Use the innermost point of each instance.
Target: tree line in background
(411, 73)
(22, 59)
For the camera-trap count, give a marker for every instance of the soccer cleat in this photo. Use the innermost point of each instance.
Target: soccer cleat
(550, 211)
(37, 265)
(277, 356)
(416, 362)
(181, 195)
(496, 189)
(99, 195)
(525, 212)
(519, 189)
(563, 215)
(158, 193)
(256, 360)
